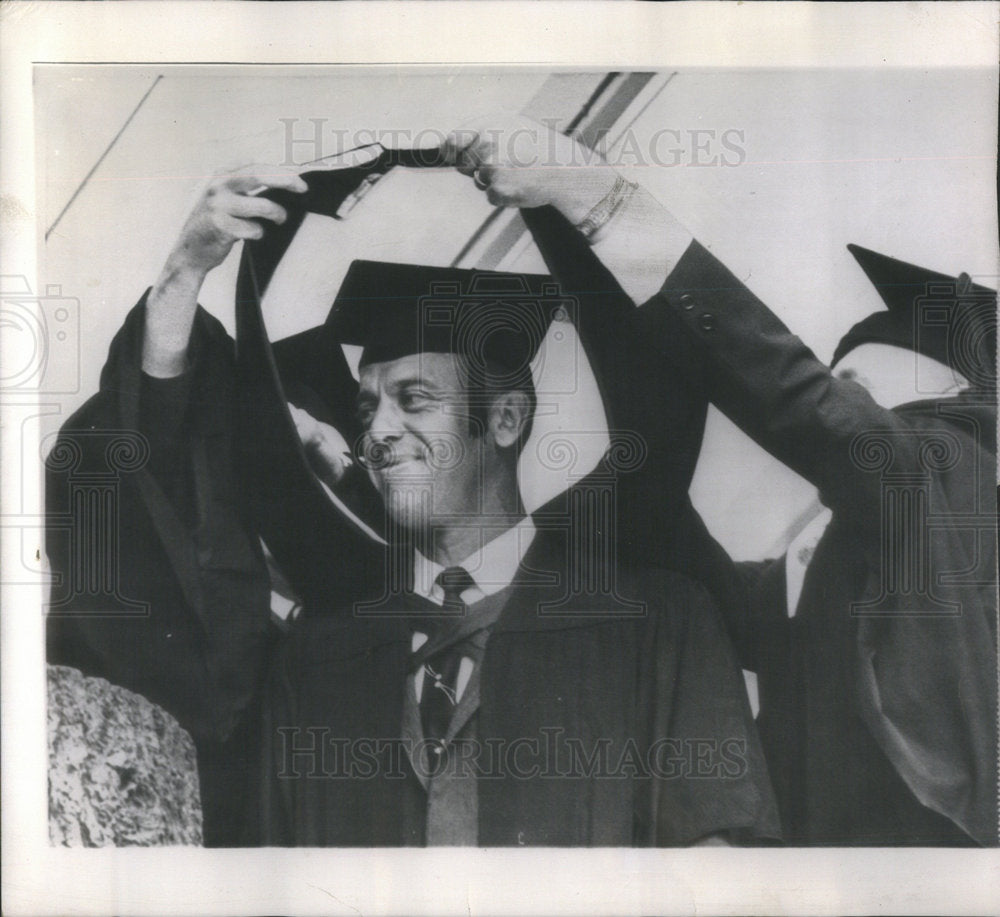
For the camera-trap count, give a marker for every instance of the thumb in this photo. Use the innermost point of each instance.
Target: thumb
(329, 453)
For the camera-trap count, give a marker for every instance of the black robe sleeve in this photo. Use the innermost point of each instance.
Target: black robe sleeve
(159, 581)
(655, 401)
(773, 387)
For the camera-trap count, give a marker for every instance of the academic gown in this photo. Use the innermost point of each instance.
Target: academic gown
(878, 699)
(596, 725)
(187, 549)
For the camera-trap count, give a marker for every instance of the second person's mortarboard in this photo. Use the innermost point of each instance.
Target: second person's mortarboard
(948, 319)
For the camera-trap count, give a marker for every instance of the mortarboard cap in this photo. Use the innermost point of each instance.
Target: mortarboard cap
(496, 321)
(948, 319)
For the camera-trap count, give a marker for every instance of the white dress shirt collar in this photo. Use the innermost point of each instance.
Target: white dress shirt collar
(493, 566)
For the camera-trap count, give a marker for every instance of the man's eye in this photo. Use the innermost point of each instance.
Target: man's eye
(414, 401)
(365, 413)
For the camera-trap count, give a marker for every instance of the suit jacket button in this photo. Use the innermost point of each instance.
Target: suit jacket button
(707, 321)
(687, 301)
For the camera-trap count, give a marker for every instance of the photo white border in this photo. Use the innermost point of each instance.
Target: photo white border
(38, 879)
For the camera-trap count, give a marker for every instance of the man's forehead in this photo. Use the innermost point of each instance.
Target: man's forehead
(441, 370)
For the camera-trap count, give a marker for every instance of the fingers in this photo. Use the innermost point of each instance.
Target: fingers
(229, 210)
(472, 147)
(330, 440)
(520, 163)
(470, 158)
(305, 424)
(326, 449)
(484, 176)
(314, 432)
(497, 199)
(253, 177)
(502, 192)
(254, 208)
(238, 229)
(237, 214)
(501, 156)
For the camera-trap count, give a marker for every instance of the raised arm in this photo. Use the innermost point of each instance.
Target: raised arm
(768, 382)
(651, 386)
(700, 330)
(558, 184)
(228, 210)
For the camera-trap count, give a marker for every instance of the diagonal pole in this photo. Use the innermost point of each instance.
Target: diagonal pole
(102, 157)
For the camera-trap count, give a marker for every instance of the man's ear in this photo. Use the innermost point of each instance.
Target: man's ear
(508, 417)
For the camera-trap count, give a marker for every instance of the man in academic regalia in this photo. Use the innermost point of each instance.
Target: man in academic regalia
(874, 637)
(877, 662)
(490, 698)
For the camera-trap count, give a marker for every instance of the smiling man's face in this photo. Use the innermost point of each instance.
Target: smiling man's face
(421, 454)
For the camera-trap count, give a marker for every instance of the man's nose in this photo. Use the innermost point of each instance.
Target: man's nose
(386, 424)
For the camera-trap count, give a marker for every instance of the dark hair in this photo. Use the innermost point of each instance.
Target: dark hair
(487, 380)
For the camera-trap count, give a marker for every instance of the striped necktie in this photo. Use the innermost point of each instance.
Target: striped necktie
(439, 696)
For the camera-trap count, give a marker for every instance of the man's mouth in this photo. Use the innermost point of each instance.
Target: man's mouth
(401, 465)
